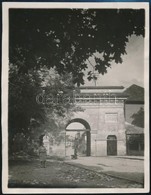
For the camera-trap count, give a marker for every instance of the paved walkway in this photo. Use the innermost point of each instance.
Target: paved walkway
(127, 167)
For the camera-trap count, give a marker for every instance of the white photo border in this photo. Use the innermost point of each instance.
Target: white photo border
(5, 67)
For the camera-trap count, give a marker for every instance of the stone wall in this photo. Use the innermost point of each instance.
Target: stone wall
(104, 119)
(58, 150)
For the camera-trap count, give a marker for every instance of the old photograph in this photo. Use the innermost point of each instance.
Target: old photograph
(75, 97)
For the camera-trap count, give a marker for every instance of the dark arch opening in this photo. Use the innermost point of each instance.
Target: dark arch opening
(87, 131)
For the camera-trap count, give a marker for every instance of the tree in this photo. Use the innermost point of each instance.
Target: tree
(22, 106)
(66, 38)
(28, 117)
(138, 118)
(23, 89)
(59, 106)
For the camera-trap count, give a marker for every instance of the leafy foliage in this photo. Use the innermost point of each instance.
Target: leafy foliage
(23, 89)
(138, 118)
(28, 118)
(66, 38)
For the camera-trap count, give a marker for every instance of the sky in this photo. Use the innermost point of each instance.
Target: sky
(131, 71)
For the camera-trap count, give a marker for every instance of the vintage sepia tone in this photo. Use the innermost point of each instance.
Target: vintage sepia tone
(75, 98)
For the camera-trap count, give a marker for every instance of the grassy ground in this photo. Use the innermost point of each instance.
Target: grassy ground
(57, 174)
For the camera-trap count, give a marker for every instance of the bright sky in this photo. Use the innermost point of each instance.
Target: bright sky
(131, 71)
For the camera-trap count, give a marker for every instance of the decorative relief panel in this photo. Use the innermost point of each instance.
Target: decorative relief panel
(111, 117)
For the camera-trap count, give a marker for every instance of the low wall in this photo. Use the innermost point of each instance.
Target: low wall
(57, 150)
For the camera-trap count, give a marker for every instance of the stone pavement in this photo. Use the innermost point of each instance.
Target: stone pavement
(125, 167)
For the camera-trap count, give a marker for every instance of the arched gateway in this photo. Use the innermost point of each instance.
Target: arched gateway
(86, 144)
(103, 113)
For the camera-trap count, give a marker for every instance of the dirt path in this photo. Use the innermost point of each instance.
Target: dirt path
(58, 174)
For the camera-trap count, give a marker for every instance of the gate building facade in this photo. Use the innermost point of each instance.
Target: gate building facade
(103, 117)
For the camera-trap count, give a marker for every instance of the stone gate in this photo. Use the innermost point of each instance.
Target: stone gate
(103, 116)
